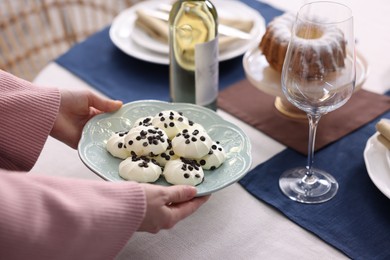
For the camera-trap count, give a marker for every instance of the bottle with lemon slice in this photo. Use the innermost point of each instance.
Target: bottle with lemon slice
(194, 53)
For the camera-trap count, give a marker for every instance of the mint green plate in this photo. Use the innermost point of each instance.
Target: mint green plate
(94, 155)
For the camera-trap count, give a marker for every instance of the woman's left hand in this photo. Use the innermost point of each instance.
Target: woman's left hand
(76, 108)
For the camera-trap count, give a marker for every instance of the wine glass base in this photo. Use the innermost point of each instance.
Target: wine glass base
(319, 188)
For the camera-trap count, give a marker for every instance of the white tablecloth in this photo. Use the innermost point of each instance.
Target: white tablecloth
(233, 224)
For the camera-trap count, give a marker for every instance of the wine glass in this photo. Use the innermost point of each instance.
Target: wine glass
(318, 76)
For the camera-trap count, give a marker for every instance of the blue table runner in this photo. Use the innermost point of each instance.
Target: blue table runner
(356, 221)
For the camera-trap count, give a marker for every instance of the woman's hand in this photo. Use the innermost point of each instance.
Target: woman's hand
(76, 108)
(165, 206)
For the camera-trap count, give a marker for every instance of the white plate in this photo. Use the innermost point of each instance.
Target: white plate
(262, 76)
(134, 42)
(377, 159)
(96, 132)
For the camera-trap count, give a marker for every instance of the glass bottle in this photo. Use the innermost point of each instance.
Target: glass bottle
(193, 43)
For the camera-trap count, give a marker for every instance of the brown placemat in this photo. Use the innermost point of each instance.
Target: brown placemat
(257, 109)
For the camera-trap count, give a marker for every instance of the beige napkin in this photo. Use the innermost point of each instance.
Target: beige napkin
(154, 27)
(159, 29)
(383, 127)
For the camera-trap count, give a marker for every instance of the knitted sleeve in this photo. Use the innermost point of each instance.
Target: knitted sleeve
(45, 217)
(27, 114)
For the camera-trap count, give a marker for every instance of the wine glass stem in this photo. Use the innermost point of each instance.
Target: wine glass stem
(313, 122)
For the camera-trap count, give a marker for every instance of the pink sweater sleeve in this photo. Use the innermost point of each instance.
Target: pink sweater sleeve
(53, 218)
(27, 114)
(45, 217)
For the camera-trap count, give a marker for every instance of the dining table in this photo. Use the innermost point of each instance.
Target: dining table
(251, 218)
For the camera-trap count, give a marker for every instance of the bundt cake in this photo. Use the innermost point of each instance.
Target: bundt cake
(325, 54)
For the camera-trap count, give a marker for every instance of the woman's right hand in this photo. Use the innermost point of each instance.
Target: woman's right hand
(165, 206)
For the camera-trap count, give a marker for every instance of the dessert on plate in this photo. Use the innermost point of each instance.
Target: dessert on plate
(183, 171)
(167, 144)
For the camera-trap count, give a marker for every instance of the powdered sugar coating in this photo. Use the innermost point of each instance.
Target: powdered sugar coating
(323, 54)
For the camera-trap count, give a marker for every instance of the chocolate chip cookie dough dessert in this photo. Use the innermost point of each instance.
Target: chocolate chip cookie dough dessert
(167, 144)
